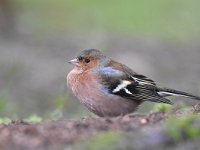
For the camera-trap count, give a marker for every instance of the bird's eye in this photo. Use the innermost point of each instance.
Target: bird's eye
(87, 60)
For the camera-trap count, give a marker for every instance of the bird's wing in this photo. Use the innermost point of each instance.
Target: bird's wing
(130, 86)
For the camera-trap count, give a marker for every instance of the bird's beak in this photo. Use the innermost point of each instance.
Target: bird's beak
(74, 61)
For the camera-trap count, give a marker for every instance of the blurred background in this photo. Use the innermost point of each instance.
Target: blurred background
(159, 39)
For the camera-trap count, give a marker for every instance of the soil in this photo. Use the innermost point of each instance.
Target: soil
(147, 130)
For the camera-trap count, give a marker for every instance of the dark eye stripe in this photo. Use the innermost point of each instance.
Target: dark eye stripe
(80, 58)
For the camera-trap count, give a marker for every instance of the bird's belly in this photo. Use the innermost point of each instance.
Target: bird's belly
(105, 104)
(112, 106)
(100, 103)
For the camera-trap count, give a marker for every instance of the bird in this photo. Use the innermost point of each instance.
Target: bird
(109, 88)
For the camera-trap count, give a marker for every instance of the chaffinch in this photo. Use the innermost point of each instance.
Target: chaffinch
(109, 88)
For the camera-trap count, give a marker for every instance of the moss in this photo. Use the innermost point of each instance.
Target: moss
(162, 107)
(183, 127)
(5, 121)
(106, 140)
(33, 119)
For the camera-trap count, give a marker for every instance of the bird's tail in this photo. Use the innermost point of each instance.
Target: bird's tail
(170, 92)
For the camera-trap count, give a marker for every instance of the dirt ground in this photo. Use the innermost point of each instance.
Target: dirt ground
(135, 131)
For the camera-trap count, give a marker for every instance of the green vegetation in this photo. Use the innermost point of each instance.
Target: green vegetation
(4, 93)
(60, 103)
(173, 19)
(33, 119)
(3, 100)
(5, 121)
(183, 127)
(160, 107)
(107, 140)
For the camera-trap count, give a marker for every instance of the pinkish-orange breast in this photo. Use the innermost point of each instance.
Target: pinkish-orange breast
(85, 85)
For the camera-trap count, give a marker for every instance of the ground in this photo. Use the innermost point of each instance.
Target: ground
(174, 129)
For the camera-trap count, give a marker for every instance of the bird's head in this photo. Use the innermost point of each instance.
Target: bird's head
(89, 58)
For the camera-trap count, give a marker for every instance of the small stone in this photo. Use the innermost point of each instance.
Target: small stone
(143, 121)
